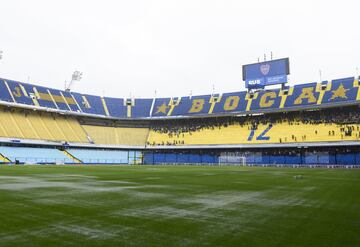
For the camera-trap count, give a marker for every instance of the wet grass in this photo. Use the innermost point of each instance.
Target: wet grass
(178, 206)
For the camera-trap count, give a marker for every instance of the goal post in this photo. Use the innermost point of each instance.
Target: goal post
(230, 160)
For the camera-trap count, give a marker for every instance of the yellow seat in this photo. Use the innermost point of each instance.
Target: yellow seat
(117, 135)
(285, 132)
(26, 124)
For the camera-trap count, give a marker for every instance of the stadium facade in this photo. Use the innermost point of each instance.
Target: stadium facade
(313, 123)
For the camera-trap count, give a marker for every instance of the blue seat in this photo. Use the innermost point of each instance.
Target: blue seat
(116, 107)
(59, 100)
(95, 105)
(4, 92)
(45, 99)
(141, 109)
(94, 156)
(18, 93)
(30, 155)
(71, 102)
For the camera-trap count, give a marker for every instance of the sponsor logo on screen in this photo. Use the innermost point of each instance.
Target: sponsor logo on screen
(254, 82)
(265, 68)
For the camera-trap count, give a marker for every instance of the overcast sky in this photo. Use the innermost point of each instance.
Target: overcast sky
(134, 47)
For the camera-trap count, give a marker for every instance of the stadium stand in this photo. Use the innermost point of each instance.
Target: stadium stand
(304, 96)
(32, 155)
(116, 107)
(117, 135)
(24, 124)
(141, 108)
(285, 132)
(294, 127)
(314, 123)
(96, 156)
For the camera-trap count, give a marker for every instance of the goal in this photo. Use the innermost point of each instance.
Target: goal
(232, 160)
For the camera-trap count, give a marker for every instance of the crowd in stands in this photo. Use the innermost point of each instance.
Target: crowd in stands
(345, 117)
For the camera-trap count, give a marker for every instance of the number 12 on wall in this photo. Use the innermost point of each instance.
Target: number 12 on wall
(262, 136)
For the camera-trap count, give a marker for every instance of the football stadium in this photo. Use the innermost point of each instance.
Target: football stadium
(241, 168)
(274, 161)
(312, 124)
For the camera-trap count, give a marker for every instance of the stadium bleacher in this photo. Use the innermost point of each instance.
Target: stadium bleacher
(15, 93)
(31, 155)
(141, 108)
(232, 134)
(276, 128)
(95, 156)
(335, 92)
(24, 124)
(313, 114)
(116, 107)
(117, 135)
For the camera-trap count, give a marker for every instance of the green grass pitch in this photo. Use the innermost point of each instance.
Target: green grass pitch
(178, 206)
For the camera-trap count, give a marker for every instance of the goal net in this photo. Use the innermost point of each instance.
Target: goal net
(232, 159)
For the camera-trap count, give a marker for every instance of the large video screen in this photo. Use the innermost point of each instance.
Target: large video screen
(266, 73)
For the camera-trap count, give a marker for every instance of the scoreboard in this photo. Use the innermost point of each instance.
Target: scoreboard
(259, 75)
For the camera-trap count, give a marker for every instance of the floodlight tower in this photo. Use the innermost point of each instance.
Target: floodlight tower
(76, 76)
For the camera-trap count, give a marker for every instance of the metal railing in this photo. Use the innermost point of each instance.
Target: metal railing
(39, 160)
